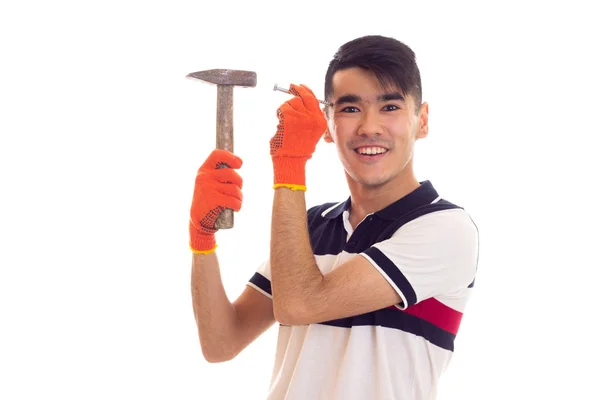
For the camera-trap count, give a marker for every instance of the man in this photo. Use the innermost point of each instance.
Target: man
(369, 292)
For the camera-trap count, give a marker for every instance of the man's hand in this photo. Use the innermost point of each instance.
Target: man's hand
(301, 125)
(215, 189)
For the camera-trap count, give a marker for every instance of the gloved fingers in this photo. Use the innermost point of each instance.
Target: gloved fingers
(229, 190)
(293, 105)
(207, 191)
(309, 99)
(220, 156)
(300, 102)
(227, 175)
(221, 194)
(232, 200)
(293, 89)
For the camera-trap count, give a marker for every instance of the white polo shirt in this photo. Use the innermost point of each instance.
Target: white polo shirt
(427, 249)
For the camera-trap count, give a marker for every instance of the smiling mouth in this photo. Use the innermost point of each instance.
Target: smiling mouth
(371, 150)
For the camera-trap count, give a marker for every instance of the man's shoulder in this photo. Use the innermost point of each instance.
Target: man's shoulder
(449, 217)
(440, 213)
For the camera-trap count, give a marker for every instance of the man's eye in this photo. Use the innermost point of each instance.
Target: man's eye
(350, 109)
(391, 107)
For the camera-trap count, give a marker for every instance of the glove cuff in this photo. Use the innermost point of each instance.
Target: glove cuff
(290, 172)
(200, 242)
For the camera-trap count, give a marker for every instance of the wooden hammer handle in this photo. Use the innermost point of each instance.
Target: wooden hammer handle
(225, 140)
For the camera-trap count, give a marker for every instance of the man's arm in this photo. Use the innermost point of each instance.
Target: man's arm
(436, 253)
(225, 328)
(301, 294)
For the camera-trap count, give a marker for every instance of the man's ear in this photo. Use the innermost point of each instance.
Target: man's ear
(423, 130)
(327, 136)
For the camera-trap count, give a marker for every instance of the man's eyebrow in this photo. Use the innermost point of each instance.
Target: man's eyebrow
(353, 98)
(391, 96)
(349, 98)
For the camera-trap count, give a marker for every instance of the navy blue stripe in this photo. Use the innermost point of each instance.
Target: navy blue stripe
(394, 273)
(421, 196)
(472, 284)
(261, 282)
(396, 319)
(327, 236)
(441, 205)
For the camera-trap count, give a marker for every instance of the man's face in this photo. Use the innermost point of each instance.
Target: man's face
(374, 129)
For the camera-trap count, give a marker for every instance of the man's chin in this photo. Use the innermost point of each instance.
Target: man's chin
(372, 182)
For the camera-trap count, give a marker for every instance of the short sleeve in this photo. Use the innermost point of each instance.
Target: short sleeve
(433, 255)
(261, 280)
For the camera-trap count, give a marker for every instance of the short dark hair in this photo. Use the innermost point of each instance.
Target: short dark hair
(393, 62)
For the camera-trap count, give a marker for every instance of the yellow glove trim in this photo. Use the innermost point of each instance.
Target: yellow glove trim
(290, 186)
(203, 251)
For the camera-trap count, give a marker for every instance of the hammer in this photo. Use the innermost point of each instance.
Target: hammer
(225, 79)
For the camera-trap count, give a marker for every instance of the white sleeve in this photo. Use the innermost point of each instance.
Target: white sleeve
(261, 280)
(435, 254)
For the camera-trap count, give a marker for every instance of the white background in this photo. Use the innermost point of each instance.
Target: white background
(102, 134)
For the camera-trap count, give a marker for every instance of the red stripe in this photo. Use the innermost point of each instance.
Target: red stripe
(436, 312)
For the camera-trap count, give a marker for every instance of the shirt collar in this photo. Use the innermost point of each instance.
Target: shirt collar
(337, 210)
(424, 194)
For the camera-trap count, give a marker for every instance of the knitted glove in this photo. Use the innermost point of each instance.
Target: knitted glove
(301, 125)
(215, 189)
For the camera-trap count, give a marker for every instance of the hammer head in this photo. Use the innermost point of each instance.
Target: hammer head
(230, 77)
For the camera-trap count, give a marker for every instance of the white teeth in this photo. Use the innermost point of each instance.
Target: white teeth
(371, 150)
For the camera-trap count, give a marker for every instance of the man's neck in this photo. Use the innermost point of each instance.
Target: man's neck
(366, 200)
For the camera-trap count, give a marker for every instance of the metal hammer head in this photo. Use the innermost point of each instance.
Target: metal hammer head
(226, 77)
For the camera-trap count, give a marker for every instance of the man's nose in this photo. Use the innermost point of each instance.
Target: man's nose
(369, 123)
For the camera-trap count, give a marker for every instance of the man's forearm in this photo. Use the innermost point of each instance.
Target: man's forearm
(215, 316)
(294, 272)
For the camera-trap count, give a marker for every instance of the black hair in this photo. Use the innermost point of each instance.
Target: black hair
(393, 63)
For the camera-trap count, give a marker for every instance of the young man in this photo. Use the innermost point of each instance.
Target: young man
(368, 292)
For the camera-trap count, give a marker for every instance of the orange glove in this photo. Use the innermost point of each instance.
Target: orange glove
(301, 125)
(215, 189)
